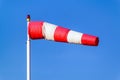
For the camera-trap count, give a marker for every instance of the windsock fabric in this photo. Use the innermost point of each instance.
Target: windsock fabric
(44, 30)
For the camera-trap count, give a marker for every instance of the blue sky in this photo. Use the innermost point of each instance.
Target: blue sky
(61, 61)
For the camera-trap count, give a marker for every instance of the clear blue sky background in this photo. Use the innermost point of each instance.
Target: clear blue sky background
(61, 61)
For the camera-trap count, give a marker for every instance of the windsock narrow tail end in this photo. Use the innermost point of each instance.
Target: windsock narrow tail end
(90, 40)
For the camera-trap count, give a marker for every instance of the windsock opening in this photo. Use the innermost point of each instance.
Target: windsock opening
(89, 40)
(35, 30)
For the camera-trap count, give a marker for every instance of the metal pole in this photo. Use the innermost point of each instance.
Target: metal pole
(28, 52)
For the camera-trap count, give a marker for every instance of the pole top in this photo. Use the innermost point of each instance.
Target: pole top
(28, 18)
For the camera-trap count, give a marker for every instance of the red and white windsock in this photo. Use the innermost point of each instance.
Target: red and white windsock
(45, 30)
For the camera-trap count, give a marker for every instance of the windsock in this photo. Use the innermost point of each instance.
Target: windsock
(48, 31)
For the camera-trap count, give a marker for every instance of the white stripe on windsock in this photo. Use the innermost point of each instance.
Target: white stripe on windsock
(48, 30)
(74, 37)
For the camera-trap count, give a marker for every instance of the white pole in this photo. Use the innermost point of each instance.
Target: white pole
(28, 52)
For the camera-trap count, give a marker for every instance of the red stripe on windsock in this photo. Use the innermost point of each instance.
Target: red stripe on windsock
(89, 40)
(35, 30)
(60, 34)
